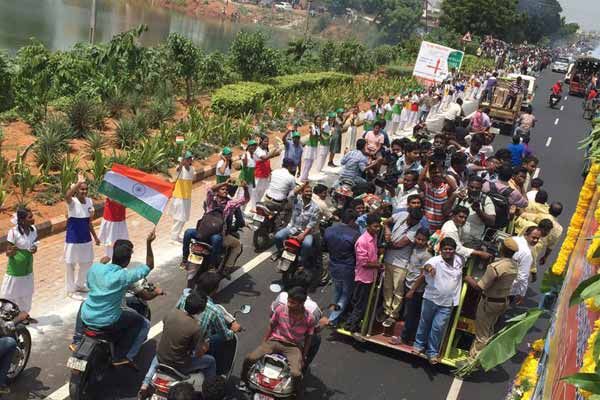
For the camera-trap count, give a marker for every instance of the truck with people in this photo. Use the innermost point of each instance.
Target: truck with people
(584, 72)
(506, 102)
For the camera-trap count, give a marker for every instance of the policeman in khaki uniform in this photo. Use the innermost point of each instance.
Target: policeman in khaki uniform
(495, 285)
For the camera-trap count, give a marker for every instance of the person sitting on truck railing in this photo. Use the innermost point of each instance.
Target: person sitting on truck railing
(480, 122)
(513, 91)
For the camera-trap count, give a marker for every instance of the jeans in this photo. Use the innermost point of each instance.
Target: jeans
(138, 342)
(216, 241)
(342, 293)
(423, 114)
(412, 313)
(205, 364)
(306, 252)
(8, 346)
(432, 326)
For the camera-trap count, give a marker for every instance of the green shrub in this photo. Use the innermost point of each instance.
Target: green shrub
(309, 80)
(240, 98)
(472, 64)
(128, 132)
(84, 114)
(94, 142)
(398, 70)
(159, 110)
(50, 147)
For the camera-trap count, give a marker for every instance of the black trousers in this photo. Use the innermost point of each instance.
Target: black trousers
(360, 300)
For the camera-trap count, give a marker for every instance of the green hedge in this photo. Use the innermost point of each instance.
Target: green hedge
(240, 98)
(243, 97)
(399, 71)
(286, 83)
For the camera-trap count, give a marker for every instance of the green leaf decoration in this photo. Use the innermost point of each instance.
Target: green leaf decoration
(585, 381)
(576, 296)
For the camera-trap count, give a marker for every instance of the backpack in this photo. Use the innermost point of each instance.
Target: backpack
(501, 205)
(211, 223)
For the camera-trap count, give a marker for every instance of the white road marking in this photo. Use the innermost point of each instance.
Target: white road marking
(566, 97)
(62, 393)
(562, 108)
(549, 141)
(556, 122)
(454, 389)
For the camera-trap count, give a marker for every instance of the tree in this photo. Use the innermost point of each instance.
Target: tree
(6, 89)
(398, 19)
(499, 18)
(214, 71)
(251, 57)
(543, 18)
(353, 57)
(187, 58)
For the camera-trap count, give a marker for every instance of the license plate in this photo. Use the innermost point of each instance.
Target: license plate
(259, 218)
(260, 396)
(195, 258)
(157, 397)
(288, 256)
(76, 364)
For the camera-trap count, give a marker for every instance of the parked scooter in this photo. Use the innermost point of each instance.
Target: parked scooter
(166, 378)
(8, 312)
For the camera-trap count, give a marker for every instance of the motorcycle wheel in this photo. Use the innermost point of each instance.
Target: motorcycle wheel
(82, 383)
(19, 361)
(260, 239)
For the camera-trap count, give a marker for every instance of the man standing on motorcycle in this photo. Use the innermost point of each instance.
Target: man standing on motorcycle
(282, 185)
(183, 345)
(289, 333)
(305, 219)
(108, 284)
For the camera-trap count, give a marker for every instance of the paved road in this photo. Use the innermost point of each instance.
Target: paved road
(342, 369)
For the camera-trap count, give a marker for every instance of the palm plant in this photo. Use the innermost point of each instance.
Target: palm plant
(50, 147)
(68, 173)
(22, 177)
(84, 115)
(128, 132)
(95, 142)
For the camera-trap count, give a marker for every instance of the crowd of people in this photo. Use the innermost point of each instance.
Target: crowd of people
(409, 204)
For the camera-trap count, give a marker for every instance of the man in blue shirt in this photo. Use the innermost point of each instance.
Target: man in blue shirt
(356, 162)
(517, 151)
(108, 284)
(340, 239)
(293, 149)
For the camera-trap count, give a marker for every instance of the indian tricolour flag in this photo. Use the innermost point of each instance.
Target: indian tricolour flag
(145, 194)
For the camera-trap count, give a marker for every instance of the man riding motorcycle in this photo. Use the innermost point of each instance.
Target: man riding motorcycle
(355, 163)
(108, 284)
(556, 93)
(183, 344)
(305, 219)
(282, 186)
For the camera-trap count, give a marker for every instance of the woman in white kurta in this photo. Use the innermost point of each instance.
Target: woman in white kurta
(181, 202)
(79, 248)
(113, 226)
(309, 154)
(17, 285)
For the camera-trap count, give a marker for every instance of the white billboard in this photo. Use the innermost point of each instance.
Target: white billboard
(435, 61)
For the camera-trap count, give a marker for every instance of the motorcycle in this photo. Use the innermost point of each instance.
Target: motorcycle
(265, 224)
(8, 312)
(197, 261)
(290, 256)
(270, 378)
(93, 356)
(554, 99)
(166, 378)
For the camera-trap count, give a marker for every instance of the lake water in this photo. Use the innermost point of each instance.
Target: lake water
(61, 23)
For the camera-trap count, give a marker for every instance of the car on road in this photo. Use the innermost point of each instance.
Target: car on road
(561, 64)
(283, 6)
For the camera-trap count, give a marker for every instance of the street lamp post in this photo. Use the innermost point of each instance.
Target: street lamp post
(93, 22)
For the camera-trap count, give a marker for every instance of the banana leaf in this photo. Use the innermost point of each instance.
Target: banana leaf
(585, 381)
(503, 345)
(551, 282)
(591, 290)
(576, 297)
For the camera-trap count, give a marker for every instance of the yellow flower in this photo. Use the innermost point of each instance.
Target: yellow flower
(538, 345)
(527, 373)
(589, 363)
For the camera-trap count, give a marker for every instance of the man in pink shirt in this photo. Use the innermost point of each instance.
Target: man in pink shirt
(289, 333)
(365, 272)
(375, 139)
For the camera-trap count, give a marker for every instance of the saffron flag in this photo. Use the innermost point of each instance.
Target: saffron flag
(143, 193)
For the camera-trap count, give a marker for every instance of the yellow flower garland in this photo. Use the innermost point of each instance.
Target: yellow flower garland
(583, 204)
(527, 377)
(589, 363)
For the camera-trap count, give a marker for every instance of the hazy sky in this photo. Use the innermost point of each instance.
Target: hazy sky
(585, 12)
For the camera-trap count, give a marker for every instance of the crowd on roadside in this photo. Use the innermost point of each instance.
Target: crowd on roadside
(440, 197)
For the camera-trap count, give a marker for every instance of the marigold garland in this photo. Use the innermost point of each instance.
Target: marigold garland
(527, 377)
(589, 363)
(583, 204)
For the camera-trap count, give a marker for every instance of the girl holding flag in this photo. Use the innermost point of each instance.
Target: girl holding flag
(181, 203)
(79, 248)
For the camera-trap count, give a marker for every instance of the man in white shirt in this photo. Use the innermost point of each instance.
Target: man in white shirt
(452, 113)
(524, 259)
(319, 197)
(482, 212)
(443, 275)
(453, 228)
(282, 185)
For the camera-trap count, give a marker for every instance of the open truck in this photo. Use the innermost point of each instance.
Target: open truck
(581, 75)
(504, 118)
(460, 330)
